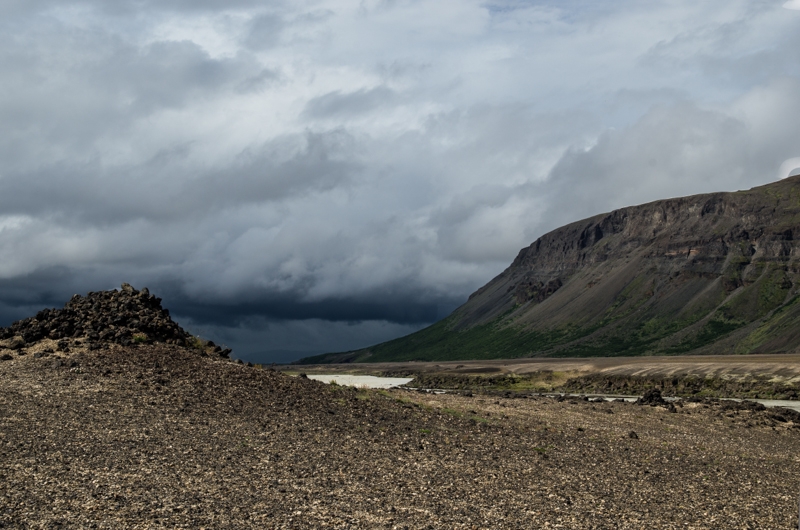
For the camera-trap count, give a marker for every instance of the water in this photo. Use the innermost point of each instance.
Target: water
(769, 403)
(369, 381)
(362, 381)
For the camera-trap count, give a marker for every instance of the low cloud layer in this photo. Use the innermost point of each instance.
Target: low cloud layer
(323, 176)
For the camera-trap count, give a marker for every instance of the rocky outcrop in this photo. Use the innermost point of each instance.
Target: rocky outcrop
(534, 290)
(714, 273)
(123, 317)
(752, 387)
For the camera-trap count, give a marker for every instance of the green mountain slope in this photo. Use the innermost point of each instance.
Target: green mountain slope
(714, 273)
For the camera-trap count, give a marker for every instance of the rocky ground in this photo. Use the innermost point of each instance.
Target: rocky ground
(718, 376)
(685, 386)
(156, 435)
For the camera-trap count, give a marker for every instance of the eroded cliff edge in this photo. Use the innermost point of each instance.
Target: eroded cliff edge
(713, 273)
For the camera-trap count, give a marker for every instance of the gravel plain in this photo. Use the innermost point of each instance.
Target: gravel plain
(157, 436)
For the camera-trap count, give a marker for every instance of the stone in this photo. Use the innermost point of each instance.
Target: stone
(126, 317)
(652, 397)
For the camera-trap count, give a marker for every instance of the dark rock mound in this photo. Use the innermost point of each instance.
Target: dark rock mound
(784, 415)
(728, 405)
(122, 317)
(652, 397)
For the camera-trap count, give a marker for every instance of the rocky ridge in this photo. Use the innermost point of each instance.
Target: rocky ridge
(98, 320)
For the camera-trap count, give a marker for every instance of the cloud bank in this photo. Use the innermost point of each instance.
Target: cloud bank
(308, 177)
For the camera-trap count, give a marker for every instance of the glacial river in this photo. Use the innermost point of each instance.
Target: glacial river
(369, 381)
(362, 381)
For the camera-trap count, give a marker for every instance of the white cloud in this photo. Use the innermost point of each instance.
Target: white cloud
(346, 161)
(789, 167)
(792, 4)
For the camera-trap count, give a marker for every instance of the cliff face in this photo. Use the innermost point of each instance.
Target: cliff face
(715, 273)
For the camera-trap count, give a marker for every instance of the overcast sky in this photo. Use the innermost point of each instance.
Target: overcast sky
(309, 176)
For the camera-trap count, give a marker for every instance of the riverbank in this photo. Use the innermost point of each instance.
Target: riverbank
(732, 376)
(369, 381)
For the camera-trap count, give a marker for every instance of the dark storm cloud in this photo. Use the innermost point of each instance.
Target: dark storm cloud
(91, 193)
(52, 288)
(265, 341)
(305, 181)
(402, 310)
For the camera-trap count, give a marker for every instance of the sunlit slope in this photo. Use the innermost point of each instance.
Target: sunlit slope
(714, 273)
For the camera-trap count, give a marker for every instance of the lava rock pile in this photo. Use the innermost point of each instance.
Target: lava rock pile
(122, 317)
(652, 397)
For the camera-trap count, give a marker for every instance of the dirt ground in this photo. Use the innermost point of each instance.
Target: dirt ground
(160, 437)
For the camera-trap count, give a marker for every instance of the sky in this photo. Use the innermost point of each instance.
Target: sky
(322, 175)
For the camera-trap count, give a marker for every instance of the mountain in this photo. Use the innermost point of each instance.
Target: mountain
(706, 274)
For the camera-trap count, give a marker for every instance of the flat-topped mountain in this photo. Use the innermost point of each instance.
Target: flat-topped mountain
(706, 274)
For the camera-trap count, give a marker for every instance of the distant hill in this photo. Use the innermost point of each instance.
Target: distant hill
(706, 274)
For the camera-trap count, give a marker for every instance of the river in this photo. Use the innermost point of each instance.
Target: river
(369, 381)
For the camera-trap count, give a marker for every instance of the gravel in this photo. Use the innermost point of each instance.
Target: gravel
(154, 435)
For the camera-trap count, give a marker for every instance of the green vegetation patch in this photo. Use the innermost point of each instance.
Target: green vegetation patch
(757, 299)
(782, 322)
(440, 343)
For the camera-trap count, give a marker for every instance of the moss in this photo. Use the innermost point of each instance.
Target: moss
(489, 341)
(631, 298)
(712, 331)
(780, 320)
(772, 291)
(767, 293)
